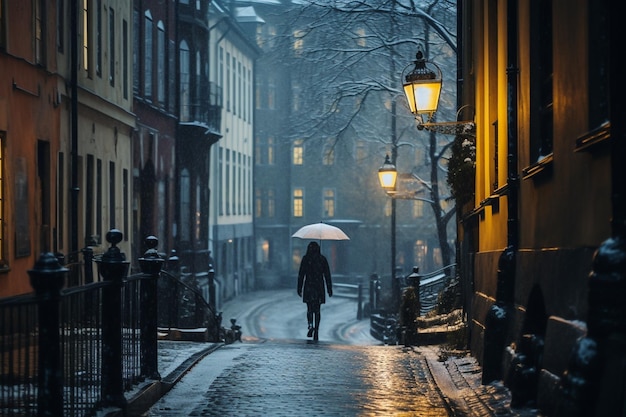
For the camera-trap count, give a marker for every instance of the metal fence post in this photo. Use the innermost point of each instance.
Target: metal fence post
(113, 268)
(151, 265)
(88, 258)
(47, 278)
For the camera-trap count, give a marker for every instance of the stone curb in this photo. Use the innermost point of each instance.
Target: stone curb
(152, 391)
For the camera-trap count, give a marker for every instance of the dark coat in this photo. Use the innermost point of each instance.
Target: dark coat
(314, 272)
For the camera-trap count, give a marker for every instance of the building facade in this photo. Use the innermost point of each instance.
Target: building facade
(156, 110)
(30, 141)
(548, 204)
(230, 226)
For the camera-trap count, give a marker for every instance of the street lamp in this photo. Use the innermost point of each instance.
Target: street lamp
(422, 87)
(387, 175)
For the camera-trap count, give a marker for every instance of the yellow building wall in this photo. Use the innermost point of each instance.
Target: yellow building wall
(491, 129)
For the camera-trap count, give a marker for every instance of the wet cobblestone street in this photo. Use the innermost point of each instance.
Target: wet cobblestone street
(300, 377)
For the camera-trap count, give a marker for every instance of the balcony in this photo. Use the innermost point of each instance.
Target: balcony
(201, 108)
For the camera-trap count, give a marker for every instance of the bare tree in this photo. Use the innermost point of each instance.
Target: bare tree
(349, 56)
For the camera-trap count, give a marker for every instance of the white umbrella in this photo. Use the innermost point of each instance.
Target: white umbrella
(320, 231)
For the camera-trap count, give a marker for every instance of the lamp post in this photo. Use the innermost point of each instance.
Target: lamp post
(387, 175)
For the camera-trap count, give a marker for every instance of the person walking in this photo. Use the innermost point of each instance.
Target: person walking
(313, 274)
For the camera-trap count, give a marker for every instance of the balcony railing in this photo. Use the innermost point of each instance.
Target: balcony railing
(202, 104)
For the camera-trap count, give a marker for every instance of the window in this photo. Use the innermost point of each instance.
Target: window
(239, 183)
(3, 241)
(240, 89)
(3, 25)
(184, 96)
(271, 93)
(298, 202)
(298, 152)
(298, 42)
(126, 203)
(185, 205)
(220, 67)
(270, 150)
(271, 203)
(227, 183)
(329, 202)
(598, 62)
(125, 58)
(87, 34)
(112, 199)
(99, 198)
(60, 25)
(418, 208)
(220, 194)
(136, 50)
(258, 203)
(171, 97)
(40, 30)
(147, 56)
(161, 63)
(541, 81)
(112, 56)
(296, 98)
(360, 37)
(89, 201)
(228, 85)
(328, 153)
(98, 38)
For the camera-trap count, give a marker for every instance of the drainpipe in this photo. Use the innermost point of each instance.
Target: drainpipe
(500, 315)
(74, 127)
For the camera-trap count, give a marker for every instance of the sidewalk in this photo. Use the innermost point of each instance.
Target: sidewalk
(457, 375)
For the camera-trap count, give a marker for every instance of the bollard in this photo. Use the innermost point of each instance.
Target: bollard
(47, 278)
(212, 299)
(151, 265)
(499, 318)
(359, 310)
(112, 267)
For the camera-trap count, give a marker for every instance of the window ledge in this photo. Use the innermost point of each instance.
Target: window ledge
(590, 141)
(538, 167)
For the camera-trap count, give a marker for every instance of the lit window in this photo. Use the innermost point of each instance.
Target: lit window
(270, 151)
(329, 202)
(360, 37)
(418, 208)
(298, 153)
(298, 42)
(86, 34)
(298, 202)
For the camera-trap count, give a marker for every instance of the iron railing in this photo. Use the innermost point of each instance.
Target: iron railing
(75, 350)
